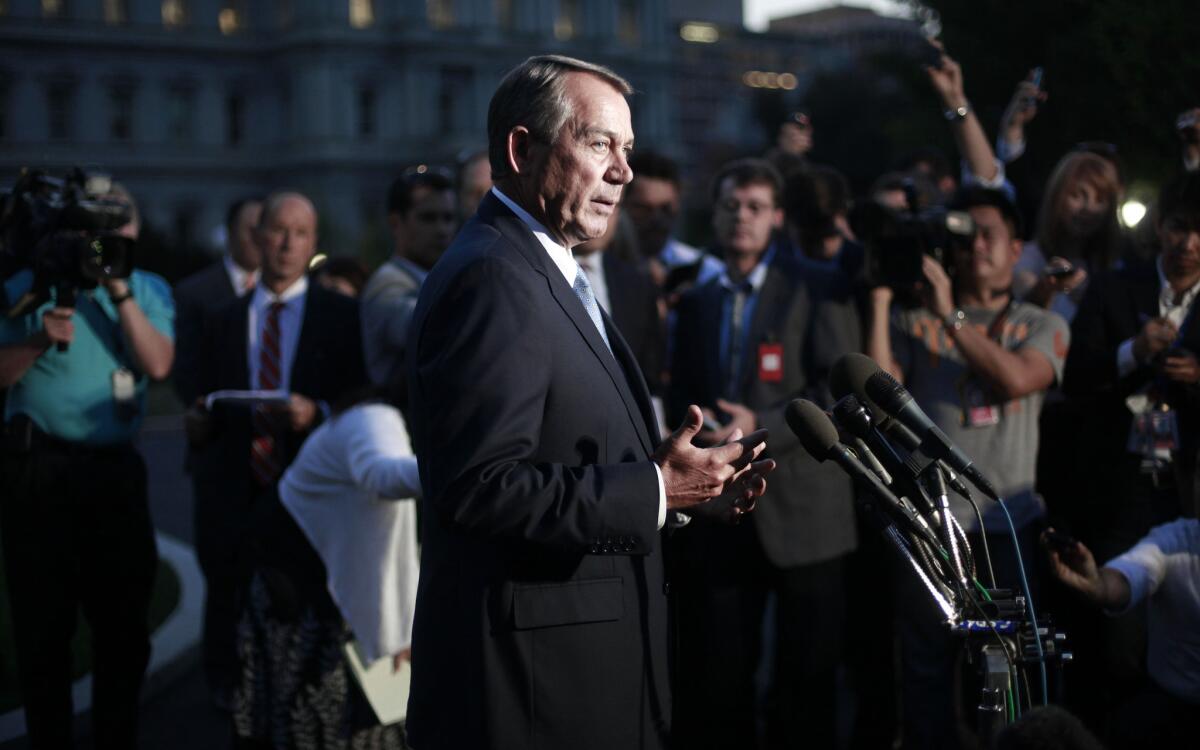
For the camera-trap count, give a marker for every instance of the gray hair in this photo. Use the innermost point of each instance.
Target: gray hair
(275, 199)
(533, 94)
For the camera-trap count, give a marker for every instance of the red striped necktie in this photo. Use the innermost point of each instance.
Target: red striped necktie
(265, 463)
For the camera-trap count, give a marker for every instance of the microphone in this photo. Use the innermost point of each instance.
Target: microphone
(852, 416)
(849, 376)
(894, 399)
(819, 437)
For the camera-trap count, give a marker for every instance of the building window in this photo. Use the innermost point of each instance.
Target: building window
(440, 13)
(120, 112)
(58, 110)
(235, 114)
(366, 113)
(54, 8)
(285, 13)
(629, 28)
(116, 12)
(506, 16)
(232, 17)
(362, 14)
(567, 23)
(174, 13)
(453, 99)
(180, 113)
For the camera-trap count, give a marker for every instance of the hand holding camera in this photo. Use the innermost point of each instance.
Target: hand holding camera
(57, 326)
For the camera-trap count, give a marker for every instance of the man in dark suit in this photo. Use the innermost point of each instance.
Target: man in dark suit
(198, 299)
(287, 335)
(541, 611)
(747, 343)
(200, 296)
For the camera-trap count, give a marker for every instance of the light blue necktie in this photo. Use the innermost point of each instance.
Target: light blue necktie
(583, 290)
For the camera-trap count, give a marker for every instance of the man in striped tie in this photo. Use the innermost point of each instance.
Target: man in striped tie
(287, 336)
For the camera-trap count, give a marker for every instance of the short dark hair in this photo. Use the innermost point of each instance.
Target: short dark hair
(1179, 199)
(533, 94)
(400, 194)
(974, 196)
(352, 270)
(813, 198)
(1047, 728)
(235, 209)
(749, 172)
(654, 166)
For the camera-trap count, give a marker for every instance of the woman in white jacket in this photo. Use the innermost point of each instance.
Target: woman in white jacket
(346, 498)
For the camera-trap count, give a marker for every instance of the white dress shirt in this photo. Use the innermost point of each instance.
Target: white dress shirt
(240, 279)
(290, 319)
(1170, 306)
(562, 258)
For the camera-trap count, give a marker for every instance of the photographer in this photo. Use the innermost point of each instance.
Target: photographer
(978, 363)
(75, 521)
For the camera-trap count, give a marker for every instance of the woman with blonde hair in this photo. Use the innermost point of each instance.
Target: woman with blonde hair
(1077, 232)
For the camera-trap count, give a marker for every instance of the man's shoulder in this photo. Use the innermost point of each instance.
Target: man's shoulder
(1036, 315)
(200, 285)
(390, 276)
(144, 283)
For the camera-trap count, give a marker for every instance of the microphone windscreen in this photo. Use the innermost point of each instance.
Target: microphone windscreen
(849, 376)
(812, 426)
(890, 396)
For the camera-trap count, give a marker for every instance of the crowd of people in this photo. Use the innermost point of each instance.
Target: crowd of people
(1057, 351)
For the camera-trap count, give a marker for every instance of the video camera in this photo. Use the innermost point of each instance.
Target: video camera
(63, 230)
(896, 241)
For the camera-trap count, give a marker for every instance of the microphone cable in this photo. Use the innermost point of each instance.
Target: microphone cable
(1037, 635)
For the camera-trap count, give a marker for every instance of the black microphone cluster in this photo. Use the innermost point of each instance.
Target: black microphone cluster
(904, 463)
(905, 466)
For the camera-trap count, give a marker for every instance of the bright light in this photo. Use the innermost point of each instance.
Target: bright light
(1132, 212)
(766, 79)
(317, 260)
(701, 33)
(787, 81)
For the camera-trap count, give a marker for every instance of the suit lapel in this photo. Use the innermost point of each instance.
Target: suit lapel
(509, 225)
(241, 354)
(639, 391)
(772, 298)
(307, 344)
(712, 307)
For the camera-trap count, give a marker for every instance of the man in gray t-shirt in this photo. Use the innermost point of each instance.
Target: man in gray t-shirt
(998, 432)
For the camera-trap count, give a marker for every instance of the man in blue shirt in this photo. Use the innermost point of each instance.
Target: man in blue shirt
(73, 510)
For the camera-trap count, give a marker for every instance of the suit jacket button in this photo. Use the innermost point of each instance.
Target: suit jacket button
(594, 549)
(630, 546)
(666, 588)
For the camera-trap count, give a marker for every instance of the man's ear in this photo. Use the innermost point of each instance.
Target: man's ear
(777, 219)
(520, 147)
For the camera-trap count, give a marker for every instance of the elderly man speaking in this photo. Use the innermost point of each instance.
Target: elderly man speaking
(541, 616)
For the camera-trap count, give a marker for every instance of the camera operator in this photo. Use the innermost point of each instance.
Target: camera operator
(979, 363)
(75, 521)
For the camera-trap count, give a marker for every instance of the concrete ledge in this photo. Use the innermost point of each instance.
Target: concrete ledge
(172, 646)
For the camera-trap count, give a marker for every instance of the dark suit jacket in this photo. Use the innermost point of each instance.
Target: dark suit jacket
(198, 298)
(328, 364)
(541, 610)
(807, 513)
(1114, 308)
(633, 297)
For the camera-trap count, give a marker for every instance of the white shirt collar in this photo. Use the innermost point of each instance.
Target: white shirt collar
(238, 276)
(757, 277)
(558, 253)
(264, 296)
(1166, 294)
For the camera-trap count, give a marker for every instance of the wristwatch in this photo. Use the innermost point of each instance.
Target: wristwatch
(955, 320)
(118, 300)
(957, 113)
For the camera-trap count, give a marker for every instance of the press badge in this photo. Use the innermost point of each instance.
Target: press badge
(977, 411)
(770, 363)
(124, 392)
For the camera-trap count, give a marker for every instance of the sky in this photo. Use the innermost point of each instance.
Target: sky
(758, 12)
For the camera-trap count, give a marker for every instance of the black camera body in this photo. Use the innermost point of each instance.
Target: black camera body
(896, 242)
(63, 230)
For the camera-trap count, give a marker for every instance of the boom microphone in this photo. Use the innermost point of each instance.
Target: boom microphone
(896, 401)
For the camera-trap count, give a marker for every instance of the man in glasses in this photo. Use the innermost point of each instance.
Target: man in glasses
(422, 215)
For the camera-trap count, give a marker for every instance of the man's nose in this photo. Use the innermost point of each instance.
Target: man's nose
(621, 173)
